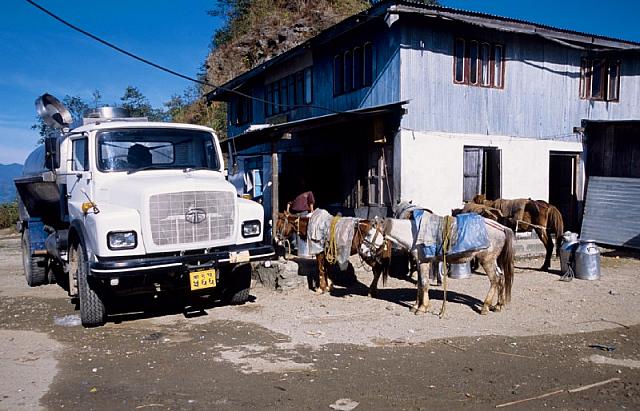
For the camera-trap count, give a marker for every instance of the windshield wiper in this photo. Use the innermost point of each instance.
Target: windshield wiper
(156, 167)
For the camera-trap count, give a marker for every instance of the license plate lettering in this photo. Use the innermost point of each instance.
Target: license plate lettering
(199, 280)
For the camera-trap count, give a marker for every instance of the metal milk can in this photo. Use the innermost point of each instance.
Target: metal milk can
(302, 246)
(567, 248)
(587, 260)
(460, 271)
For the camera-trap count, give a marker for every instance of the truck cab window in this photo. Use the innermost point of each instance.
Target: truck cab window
(135, 149)
(80, 155)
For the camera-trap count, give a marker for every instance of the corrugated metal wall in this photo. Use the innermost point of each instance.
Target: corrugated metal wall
(539, 99)
(612, 211)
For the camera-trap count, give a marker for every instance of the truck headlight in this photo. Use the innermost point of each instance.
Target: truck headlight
(251, 228)
(122, 240)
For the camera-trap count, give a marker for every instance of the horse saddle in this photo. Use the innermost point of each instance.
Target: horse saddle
(467, 233)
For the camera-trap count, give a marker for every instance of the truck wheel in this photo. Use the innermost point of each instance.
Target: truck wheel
(92, 308)
(34, 267)
(237, 283)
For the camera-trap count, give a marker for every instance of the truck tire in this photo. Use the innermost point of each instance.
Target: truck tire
(92, 308)
(237, 283)
(35, 269)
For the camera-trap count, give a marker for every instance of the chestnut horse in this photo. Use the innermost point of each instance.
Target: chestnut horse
(525, 215)
(500, 254)
(379, 262)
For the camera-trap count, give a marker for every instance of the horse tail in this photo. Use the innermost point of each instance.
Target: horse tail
(505, 262)
(555, 224)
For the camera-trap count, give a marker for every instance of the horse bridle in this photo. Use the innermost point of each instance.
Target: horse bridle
(375, 250)
(296, 227)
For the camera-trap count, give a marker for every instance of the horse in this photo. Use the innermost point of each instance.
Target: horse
(379, 262)
(481, 209)
(500, 253)
(525, 215)
(405, 210)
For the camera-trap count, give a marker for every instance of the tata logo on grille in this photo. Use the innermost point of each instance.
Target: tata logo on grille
(195, 215)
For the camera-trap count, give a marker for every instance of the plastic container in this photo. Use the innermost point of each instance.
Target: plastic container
(587, 260)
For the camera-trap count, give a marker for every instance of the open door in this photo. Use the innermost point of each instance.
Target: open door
(481, 168)
(563, 170)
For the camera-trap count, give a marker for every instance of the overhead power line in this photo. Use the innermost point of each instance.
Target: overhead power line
(168, 70)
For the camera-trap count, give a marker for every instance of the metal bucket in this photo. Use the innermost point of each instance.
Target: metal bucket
(567, 250)
(460, 271)
(587, 260)
(302, 247)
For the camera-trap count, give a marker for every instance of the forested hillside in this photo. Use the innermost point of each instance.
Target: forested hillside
(255, 31)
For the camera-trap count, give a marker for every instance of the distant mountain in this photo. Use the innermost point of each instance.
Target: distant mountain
(7, 188)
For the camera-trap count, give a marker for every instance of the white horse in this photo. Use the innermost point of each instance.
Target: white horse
(500, 253)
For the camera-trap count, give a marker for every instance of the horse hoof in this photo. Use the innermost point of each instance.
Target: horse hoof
(496, 308)
(420, 310)
(484, 311)
(544, 268)
(414, 309)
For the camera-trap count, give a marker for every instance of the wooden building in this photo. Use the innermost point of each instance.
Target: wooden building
(411, 102)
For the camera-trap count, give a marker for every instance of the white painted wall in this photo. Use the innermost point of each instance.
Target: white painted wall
(428, 166)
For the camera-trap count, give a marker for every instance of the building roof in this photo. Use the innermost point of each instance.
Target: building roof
(386, 8)
(272, 133)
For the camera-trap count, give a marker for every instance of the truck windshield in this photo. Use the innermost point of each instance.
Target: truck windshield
(151, 148)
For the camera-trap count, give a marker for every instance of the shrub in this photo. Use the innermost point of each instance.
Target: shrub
(8, 214)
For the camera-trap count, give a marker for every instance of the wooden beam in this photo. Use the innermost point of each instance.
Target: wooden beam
(275, 189)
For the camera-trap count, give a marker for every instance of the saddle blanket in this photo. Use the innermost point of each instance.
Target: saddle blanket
(317, 230)
(468, 234)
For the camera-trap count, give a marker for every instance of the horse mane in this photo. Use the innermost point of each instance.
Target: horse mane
(481, 209)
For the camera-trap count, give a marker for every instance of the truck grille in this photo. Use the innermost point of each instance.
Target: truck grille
(191, 217)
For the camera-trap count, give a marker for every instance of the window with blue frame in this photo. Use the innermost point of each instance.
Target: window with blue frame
(241, 111)
(289, 93)
(353, 69)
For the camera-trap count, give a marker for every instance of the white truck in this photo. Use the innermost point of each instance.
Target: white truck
(119, 206)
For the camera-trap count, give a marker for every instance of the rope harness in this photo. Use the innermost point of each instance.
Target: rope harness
(531, 224)
(446, 244)
(331, 246)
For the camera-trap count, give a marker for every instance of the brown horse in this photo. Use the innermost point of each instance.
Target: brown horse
(525, 215)
(288, 224)
(481, 209)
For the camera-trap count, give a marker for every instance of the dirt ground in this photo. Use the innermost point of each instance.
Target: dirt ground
(299, 350)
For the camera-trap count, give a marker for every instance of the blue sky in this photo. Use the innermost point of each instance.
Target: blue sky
(38, 54)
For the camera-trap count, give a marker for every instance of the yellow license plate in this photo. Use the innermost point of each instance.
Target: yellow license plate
(199, 280)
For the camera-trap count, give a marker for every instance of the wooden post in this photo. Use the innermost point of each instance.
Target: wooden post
(275, 191)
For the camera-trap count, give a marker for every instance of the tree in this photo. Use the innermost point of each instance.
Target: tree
(96, 96)
(138, 105)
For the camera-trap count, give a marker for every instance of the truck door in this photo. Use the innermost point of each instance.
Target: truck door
(79, 177)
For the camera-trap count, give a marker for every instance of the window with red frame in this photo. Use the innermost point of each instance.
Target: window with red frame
(478, 63)
(600, 79)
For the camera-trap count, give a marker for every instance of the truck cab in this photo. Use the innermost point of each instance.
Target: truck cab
(142, 207)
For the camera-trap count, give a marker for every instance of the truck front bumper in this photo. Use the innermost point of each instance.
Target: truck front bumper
(107, 268)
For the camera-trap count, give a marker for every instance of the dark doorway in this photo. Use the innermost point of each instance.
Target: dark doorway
(481, 168)
(321, 173)
(563, 170)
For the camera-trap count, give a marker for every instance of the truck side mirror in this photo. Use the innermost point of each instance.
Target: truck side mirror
(52, 153)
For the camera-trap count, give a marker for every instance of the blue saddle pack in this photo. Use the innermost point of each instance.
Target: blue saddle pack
(469, 234)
